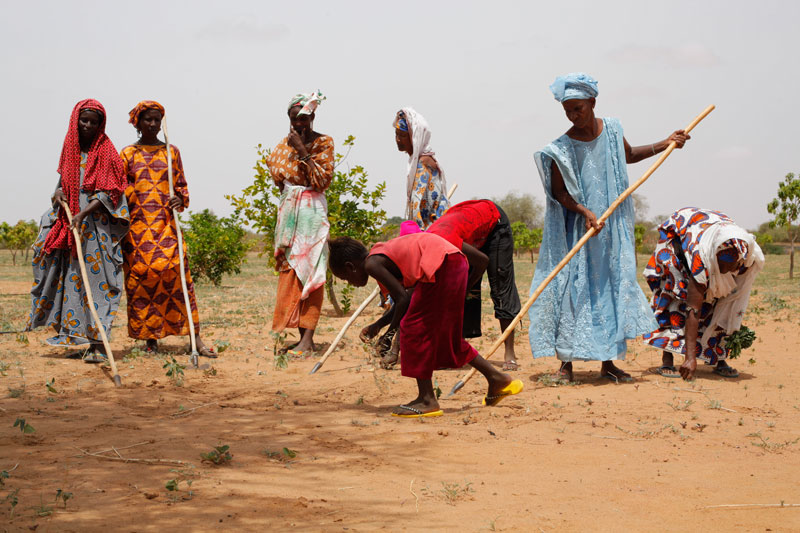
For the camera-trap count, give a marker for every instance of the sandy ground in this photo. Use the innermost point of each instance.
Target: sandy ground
(655, 455)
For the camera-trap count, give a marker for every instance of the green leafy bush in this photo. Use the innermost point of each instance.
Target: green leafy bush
(216, 245)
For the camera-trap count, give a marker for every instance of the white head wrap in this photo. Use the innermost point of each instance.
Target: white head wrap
(420, 140)
(733, 290)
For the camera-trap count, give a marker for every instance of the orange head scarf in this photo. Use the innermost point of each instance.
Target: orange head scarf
(141, 107)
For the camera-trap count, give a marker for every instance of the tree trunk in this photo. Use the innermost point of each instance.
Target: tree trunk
(332, 296)
(13, 256)
(791, 260)
(531, 254)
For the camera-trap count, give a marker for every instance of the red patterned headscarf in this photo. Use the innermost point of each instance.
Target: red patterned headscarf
(141, 107)
(104, 172)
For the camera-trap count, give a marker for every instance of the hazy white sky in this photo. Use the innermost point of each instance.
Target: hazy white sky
(478, 71)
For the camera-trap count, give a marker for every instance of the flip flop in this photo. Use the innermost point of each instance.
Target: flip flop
(726, 372)
(617, 379)
(208, 352)
(510, 366)
(416, 413)
(668, 371)
(515, 387)
(95, 357)
(300, 354)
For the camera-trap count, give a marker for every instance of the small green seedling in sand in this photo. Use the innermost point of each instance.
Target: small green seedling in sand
(771, 446)
(280, 359)
(24, 427)
(454, 492)
(63, 496)
(174, 371)
(173, 486)
(134, 354)
(22, 338)
(220, 345)
(436, 389)
(210, 372)
(4, 368)
(12, 499)
(16, 393)
(549, 380)
(282, 455)
(51, 386)
(42, 510)
(220, 455)
(681, 406)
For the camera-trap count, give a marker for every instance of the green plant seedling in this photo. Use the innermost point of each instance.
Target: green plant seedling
(63, 496)
(174, 370)
(220, 455)
(51, 386)
(12, 498)
(220, 345)
(24, 427)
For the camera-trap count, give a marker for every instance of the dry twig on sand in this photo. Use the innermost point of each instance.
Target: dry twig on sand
(416, 498)
(132, 460)
(188, 411)
(113, 449)
(745, 505)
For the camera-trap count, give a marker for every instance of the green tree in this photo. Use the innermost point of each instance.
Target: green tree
(216, 245)
(353, 208)
(526, 239)
(521, 207)
(18, 237)
(786, 208)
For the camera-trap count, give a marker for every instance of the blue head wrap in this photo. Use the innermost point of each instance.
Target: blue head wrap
(574, 86)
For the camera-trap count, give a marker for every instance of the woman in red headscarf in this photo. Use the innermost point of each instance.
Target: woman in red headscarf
(92, 184)
(156, 308)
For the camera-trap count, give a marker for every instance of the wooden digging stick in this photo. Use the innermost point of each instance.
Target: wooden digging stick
(195, 355)
(90, 298)
(578, 246)
(358, 311)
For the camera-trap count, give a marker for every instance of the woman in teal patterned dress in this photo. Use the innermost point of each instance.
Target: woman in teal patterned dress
(92, 183)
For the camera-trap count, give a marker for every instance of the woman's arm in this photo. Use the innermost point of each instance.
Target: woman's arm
(93, 206)
(694, 302)
(559, 191)
(478, 261)
(634, 154)
(380, 267)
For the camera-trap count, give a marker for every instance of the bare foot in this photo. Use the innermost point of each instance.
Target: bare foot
(564, 371)
(389, 360)
(151, 346)
(609, 371)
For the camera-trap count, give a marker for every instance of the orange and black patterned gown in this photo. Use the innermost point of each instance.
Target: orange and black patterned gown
(156, 307)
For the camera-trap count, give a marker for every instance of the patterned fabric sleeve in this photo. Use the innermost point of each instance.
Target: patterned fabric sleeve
(319, 168)
(181, 188)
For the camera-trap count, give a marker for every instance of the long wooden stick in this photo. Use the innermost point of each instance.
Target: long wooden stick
(588, 235)
(358, 311)
(179, 233)
(344, 329)
(90, 298)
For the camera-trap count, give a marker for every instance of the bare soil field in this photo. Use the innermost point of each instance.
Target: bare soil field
(321, 453)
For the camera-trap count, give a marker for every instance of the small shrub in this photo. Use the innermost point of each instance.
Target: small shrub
(217, 245)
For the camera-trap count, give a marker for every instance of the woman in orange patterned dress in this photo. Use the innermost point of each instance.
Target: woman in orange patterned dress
(301, 165)
(156, 307)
